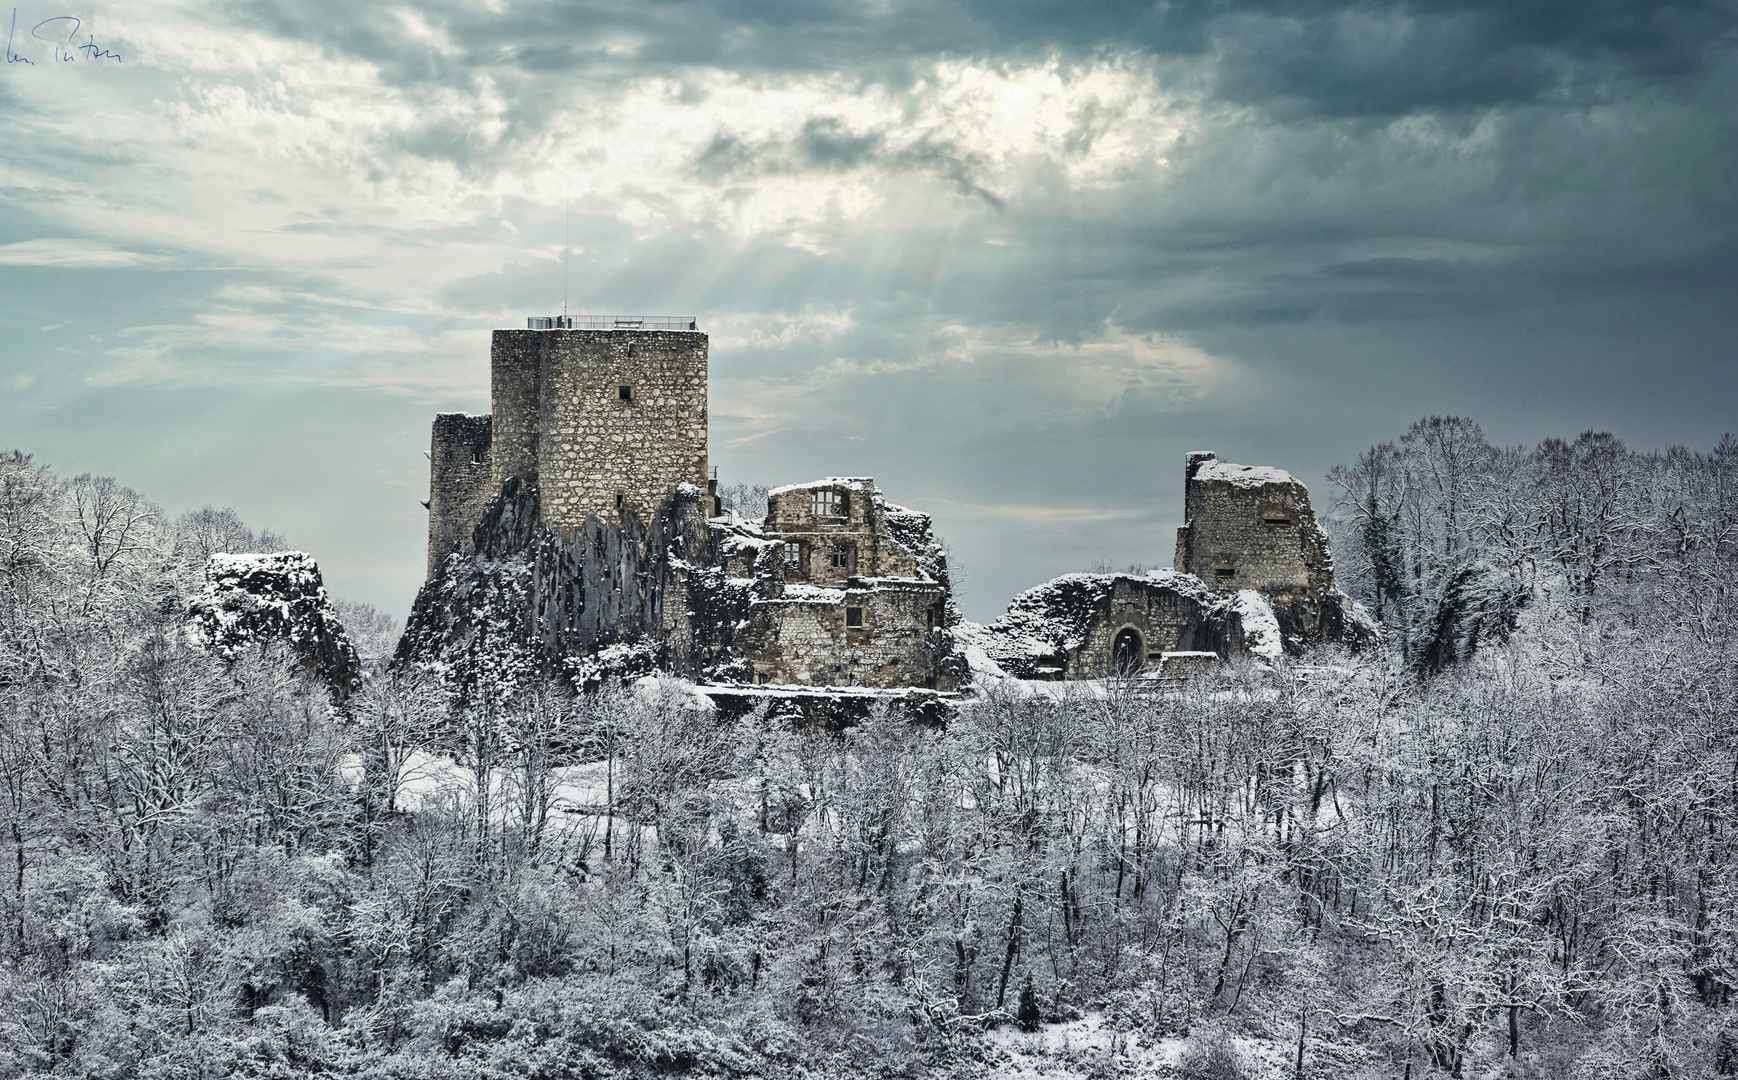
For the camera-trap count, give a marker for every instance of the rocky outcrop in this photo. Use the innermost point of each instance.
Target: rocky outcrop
(252, 600)
(532, 600)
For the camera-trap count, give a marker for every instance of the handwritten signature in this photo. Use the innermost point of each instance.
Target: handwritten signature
(64, 51)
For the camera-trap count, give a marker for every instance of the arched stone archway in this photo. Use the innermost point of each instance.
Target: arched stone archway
(1128, 653)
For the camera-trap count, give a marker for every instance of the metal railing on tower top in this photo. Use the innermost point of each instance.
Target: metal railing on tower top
(612, 322)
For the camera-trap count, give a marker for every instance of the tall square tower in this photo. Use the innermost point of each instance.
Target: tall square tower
(607, 416)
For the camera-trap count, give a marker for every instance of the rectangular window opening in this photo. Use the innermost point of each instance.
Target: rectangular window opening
(829, 503)
(625, 393)
(853, 618)
(621, 500)
(842, 557)
(1276, 522)
(793, 557)
(1225, 572)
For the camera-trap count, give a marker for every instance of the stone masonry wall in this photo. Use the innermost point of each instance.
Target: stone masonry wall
(561, 419)
(1168, 618)
(461, 480)
(860, 533)
(1251, 527)
(516, 361)
(802, 637)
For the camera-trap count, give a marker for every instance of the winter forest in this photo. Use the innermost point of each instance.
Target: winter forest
(1501, 842)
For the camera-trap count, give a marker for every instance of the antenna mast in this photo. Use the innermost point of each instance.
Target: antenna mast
(566, 246)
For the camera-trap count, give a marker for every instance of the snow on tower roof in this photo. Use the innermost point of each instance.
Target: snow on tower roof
(1249, 476)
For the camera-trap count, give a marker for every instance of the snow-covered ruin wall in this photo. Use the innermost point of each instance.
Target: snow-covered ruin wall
(1251, 527)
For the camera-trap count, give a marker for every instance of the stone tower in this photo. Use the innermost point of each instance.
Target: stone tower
(1250, 527)
(604, 421)
(461, 479)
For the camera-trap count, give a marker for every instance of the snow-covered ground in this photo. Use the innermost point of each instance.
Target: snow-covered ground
(1091, 1047)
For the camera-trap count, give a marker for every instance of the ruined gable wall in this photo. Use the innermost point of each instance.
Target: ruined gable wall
(594, 446)
(1232, 526)
(461, 479)
(791, 519)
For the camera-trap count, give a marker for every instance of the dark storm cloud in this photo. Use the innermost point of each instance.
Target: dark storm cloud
(827, 144)
(1344, 58)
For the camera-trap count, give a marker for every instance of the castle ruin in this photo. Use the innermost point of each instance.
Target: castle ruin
(579, 520)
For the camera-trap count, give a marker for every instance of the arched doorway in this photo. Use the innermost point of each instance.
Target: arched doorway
(1128, 653)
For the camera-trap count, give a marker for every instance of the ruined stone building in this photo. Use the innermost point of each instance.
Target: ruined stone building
(856, 593)
(578, 522)
(575, 519)
(1253, 575)
(1251, 527)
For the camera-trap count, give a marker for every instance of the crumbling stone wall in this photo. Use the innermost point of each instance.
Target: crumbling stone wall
(1251, 527)
(607, 422)
(875, 632)
(461, 479)
(1067, 628)
(833, 548)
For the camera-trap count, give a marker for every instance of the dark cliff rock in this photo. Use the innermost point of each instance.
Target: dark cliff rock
(531, 600)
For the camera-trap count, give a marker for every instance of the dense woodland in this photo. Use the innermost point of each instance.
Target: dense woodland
(1502, 843)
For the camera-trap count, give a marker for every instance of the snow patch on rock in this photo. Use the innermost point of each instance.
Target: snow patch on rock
(1260, 626)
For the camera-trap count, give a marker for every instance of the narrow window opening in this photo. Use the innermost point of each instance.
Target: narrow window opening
(625, 393)
(793, 557)
(1276, 522)
(476, 457)
(929, 620)
(853, 618)
(1225, 572)
(621, 500)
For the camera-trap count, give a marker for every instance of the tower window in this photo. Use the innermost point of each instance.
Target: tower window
(829, 503)
(1223, 572)
(853, 618)
(476, 457)
(621, 500)
(625, 393)
(1276, 522)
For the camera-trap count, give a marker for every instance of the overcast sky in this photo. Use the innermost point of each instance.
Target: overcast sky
(1012, 258)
